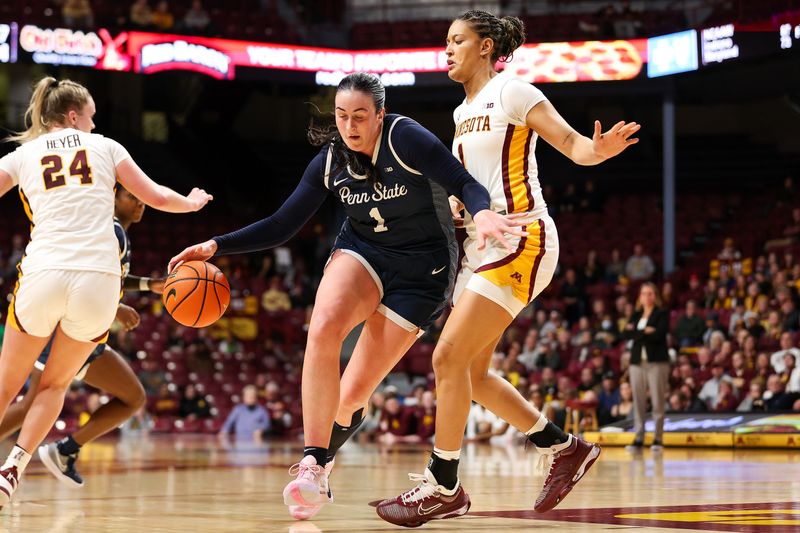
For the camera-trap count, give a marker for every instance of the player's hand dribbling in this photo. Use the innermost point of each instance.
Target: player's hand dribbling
(494, 225)
(199, 198)
(128, 317)
(197, 252)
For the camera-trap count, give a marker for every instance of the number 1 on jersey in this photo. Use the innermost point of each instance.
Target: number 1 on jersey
(374, 213)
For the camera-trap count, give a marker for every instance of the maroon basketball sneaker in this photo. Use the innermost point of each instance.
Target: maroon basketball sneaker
(566, 469)
(423, 503)
(8, 484)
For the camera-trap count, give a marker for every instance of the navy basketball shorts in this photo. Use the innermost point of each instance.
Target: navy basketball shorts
(42, 361)
(415, 287)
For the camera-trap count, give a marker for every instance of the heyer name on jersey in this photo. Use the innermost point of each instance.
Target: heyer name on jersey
(381, 193)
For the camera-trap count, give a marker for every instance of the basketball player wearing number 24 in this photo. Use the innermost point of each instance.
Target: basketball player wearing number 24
(105, 368)
(496, 130)
(69, 278)
(392, 265)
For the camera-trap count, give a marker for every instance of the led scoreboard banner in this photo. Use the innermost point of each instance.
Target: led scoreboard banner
(149, 53)
(225, 59)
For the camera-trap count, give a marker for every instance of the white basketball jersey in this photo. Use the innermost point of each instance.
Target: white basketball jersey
(66, 181)
(494, 144)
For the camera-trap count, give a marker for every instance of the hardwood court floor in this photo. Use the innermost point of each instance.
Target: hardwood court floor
(195, 484)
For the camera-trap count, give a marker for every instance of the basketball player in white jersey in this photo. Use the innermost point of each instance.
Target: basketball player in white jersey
(495, 138)
(69, 277)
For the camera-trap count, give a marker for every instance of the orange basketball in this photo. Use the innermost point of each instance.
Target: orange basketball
(196, 294)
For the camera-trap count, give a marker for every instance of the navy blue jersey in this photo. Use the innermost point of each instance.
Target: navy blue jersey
(124, 248)
(406, 210)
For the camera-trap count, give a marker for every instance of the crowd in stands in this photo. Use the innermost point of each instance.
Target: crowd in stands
(734, 338)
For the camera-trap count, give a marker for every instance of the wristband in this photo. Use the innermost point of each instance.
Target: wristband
(144, 284)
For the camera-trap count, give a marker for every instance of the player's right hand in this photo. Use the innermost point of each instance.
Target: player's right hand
(197, 252)
(127, 316)
(199, 198)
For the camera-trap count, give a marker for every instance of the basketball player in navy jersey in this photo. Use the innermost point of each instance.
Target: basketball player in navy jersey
(392, 266)
(105, 369)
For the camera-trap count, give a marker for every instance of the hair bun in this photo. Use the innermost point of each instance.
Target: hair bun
(514, 29)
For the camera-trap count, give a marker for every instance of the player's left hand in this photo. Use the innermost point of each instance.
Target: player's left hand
(128, 317)
(157, 285)
(456, 208)
(490, 224)
(615, 140)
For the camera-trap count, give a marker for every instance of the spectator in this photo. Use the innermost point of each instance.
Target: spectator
(92, 404)
(776, 360)
(137, 425)
(678, 402)
(592, 270)
(639, 266)
(547, 383)
(649, 366)
(573, 296)
(152, 377)
(668, 298)
(425, 416)
(726, 400)
(193, 405)
(164, 403)
(78, 14)
(753, 401)
(162, 18)
(624, 409)
(141, 16)
(248, 420)
(790, 376)
(774, 396)
(694, 291)
(713, 337)
(586, 383)
(608, 398)
(690, 327)
(615, 267)
(729, 251)
(740, 374)
(197, 19)
(710, 391)
(280, 417)
(395, 426)
(374, 414)
(791, 316)
(773, 328)
(530, 350)
(275, 298)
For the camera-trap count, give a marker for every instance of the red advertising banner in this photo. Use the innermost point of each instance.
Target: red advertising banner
(149, 53)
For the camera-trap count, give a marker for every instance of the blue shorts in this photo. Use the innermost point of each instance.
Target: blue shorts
(415, 287)
(42, 361)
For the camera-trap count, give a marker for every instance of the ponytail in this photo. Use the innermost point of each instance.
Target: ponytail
(49, 105)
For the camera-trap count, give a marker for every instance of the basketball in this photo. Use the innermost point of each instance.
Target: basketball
(196, 294)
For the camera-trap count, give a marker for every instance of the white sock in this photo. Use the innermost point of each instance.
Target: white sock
(441, 488)
(18, 458)
(447, 455)
(538, 426)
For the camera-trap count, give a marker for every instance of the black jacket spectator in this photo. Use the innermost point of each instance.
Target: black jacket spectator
(655, 343)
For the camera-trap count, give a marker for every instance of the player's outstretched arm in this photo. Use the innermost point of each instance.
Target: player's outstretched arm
(6, 183)
(551, 126)
(158, 196)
